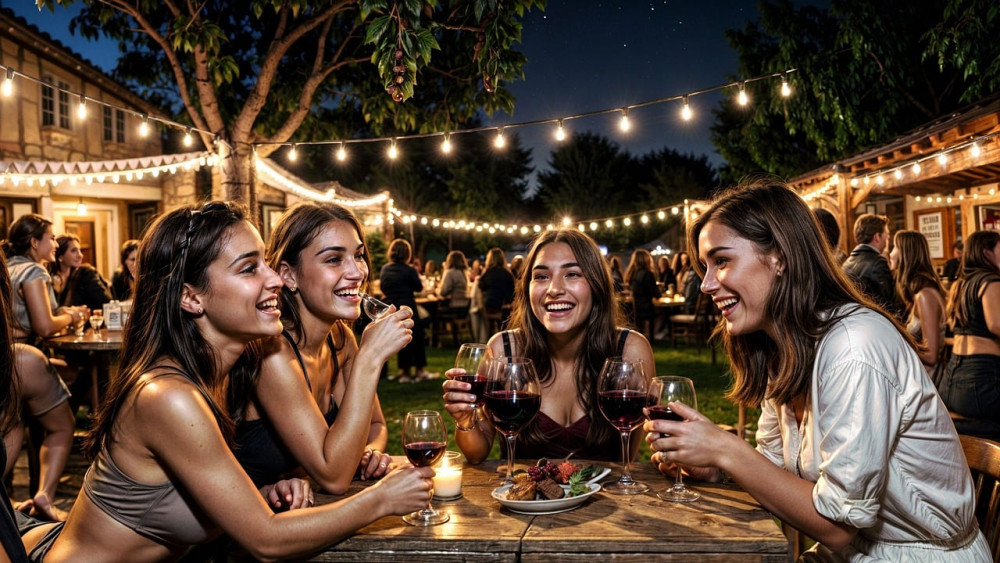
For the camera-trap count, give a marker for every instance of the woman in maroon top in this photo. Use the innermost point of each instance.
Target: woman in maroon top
(565, 318)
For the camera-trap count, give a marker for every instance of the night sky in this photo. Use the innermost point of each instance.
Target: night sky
(586, 56)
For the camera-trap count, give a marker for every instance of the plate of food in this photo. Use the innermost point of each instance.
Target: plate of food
(547, 488)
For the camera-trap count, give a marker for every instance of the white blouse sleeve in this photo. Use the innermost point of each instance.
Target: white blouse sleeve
(858, 414)
(769, 440)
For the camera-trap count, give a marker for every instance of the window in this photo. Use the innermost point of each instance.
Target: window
(114, 125)
(55, 104)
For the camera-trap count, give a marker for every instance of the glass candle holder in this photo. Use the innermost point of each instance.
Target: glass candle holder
(448, 476)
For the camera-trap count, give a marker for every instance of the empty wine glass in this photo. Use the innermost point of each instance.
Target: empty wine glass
(470, 359)
(622, 396)
(373, 307)
(424, 440)
(513, 397)
(96, 320)
(675, 390)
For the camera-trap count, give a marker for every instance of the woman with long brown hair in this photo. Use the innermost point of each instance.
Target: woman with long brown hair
(566, 320)
(854, 446)
(971, 382)
(923, 297)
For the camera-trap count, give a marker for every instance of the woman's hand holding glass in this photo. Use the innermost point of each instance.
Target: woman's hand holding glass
(389, 333)
(696, 444)
(466, 384)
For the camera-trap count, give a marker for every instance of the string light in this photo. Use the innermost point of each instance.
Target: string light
(341, 152)
(942, 159)
(144, 127)
(499, 141)
(786, 89)
(686, 110)
(393, 153)
(560, 132)
(81, 108)
(293, 154)
(975, 150)
(624, 124)
(446, 144)
(916, 168)
(81, 208)
(188, 139)
(742, 98)
(8, 84)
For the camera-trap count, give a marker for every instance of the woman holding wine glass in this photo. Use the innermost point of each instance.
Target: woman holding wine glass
(314, 402)
(854, 446)
(566, 320)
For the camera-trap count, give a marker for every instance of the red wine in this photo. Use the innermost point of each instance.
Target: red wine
(623, 408)
(478, 383)
(423, 454)
(511, 410)
(662, 412)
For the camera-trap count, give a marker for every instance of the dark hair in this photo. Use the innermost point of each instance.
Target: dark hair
(455, 261)
(831, 229)
(63, 247)
(958, 245)
(128, 247)
(915, 271)
(296, 230)
(400, 251)
(869, 225)
(495, 258)
(601, 326)
(177, 249)
(641, 260)
(10, 405)
(21, 232)
(974, 261)
(800, 302)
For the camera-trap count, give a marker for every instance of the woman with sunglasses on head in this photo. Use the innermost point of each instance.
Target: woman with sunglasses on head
(314, 404)
(566, 320)
(854, 447)
(163, 476)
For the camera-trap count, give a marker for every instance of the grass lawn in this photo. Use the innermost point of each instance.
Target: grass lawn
(710, 381)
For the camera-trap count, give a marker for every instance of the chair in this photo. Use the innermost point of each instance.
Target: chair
(695, 327)
(983, 457)
(453, 317)
(496, 319)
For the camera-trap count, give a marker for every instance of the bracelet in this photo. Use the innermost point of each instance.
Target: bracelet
(466, 428)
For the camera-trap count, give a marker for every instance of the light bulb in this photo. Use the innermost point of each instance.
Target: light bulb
(393, 153)
(499, 141)
(446, 144)
(898, 174)
(624, 124)
(81, 208)
(942, 159)
(786, 89)
(144, 127)
(188, 140)
(560, 132)
(81, 108)
(341, 153)
(976, 151)
(8, 84)
(916, 168)
(686, 110)
(742, 98)
(293, 154)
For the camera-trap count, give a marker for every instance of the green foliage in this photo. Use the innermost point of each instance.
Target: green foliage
(867, 71)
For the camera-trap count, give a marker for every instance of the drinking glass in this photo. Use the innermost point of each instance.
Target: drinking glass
(675, 390)
(512, 399)
(96, 320)
(424, 440)
(470, 359)
(621, 396)
(373, 307)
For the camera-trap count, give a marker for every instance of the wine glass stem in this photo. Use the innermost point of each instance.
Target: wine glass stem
(511, 438)
(626, 476)
(679, 479)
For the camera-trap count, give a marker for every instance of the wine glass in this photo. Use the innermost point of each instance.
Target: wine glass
(512, 399)
(470, 359)
(621, 396)
(675, 390)
(96, 320)
(372, 307)
(424, 440)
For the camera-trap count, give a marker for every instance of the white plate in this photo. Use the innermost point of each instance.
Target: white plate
(543, 506)
(601, 473)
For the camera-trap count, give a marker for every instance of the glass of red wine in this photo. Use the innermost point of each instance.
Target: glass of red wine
(675, 389)
(470, 359)
(622, 394)
(513, 397)
(424, 441)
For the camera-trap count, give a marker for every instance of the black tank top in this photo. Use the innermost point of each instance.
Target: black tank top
(972, 289)
(259, 447)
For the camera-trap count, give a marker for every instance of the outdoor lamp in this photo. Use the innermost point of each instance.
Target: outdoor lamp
(8, 83)
(686, 110)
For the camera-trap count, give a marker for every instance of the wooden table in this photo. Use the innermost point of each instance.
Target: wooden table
(726, 524)
(104, 345)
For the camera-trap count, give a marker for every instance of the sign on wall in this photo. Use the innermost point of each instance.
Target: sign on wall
(931, 225)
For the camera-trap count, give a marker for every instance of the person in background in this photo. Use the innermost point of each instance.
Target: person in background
(868, 268)
(454, 284)
(10, 425)
(314, 404)
(475, 270)
(400, 282)
(74, 282)
(831, 232)
(923, 297)
(497, 282)
(971, 382)
(951, 266)
(567, 321)
(617, 274)
(431, 271)
(163, 476)
(854, 447)
(123, 279)
(664, 272)
(641, 282)
(681, 266)
(34, 307)
(516, 264)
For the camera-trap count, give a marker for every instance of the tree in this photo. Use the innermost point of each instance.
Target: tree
(867, 71)
(590, 177)
(257, 71)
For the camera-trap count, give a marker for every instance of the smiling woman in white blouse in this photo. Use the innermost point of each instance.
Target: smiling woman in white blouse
(854, 447)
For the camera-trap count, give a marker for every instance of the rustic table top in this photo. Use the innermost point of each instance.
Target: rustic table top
(100, 341)
(726, 524)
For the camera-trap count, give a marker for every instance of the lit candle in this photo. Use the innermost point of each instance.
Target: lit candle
(448, 476)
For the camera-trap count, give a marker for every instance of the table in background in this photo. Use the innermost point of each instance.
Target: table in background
(103, 345)
(726, 524)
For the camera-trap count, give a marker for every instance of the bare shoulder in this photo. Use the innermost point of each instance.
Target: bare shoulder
(169, 399)
(636, 346)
